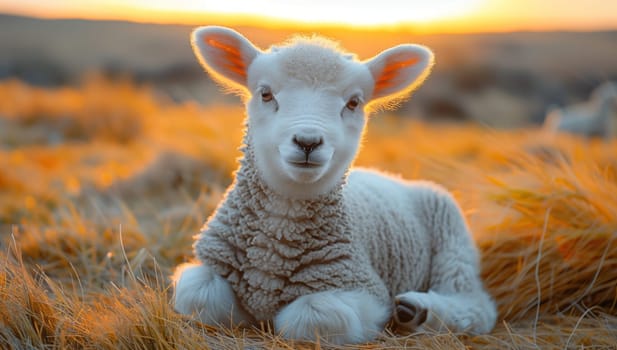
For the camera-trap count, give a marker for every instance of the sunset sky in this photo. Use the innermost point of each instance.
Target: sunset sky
(427, 15)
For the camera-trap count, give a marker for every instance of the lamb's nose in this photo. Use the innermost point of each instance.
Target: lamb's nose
(308, 143)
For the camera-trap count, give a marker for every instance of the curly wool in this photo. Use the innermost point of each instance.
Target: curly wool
(273, 249)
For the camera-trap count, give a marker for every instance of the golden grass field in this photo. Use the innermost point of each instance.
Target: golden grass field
(102, 186)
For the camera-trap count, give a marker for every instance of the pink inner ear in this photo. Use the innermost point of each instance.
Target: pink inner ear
(390, 72)
(232, 57)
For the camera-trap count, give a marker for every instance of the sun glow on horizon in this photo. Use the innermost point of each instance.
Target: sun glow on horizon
(348, 12)
(435, 16)
(315, 12)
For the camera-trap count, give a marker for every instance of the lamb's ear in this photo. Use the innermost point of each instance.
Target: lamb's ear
(398, 70)
(224, 53)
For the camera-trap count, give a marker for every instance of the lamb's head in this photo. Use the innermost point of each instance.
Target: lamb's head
(306, 101)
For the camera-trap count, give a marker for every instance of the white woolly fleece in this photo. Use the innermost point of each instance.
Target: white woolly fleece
(273, 250)
(374, 233)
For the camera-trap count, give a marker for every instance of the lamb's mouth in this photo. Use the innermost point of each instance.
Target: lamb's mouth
(307, 164)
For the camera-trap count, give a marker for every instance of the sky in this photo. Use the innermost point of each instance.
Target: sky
(427, 15)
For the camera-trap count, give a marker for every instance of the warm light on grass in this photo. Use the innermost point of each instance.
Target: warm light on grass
(92, 225)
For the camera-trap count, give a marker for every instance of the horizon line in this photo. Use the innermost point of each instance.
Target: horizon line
(261, 21)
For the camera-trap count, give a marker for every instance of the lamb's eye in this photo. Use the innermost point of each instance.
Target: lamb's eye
(353, 103)
(266, 94)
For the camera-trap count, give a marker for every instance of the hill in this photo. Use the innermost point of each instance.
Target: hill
(497, 79)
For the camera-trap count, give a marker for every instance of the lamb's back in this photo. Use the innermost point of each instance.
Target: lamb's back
(391, 220)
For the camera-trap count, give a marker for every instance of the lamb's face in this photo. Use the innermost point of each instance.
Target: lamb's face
(306, 101)
(306, 116)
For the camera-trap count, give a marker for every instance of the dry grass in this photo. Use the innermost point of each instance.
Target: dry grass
(94, 218)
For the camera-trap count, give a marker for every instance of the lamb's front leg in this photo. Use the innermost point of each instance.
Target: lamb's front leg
(337, 316)
(201, 291)
(464, 312)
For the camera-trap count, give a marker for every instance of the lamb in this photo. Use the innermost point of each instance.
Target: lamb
(302, 241)
(596, 117)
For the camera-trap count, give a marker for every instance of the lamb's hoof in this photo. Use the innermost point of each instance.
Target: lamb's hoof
(408, 316)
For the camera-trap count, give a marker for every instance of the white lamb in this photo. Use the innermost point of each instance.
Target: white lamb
(595, 117)
(302, 241)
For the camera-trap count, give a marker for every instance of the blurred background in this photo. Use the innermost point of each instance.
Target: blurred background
(104, 108)
(500, 63)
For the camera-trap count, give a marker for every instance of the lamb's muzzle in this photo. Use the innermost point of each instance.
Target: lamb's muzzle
(308, 143)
